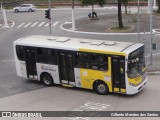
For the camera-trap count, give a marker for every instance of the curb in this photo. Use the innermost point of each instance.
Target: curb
(11, 24)
(154, 73)
(97, 33)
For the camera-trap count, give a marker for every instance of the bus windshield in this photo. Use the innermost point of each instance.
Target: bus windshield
(136, 63)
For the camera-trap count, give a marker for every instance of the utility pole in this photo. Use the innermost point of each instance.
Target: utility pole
(149, 7)
(138, 28)
(73, 18)
(151, 32)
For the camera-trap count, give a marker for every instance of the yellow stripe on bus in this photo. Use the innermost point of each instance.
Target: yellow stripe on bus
(101, 51)
(121, 90)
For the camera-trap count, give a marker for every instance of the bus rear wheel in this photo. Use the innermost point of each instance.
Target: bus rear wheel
(47, 79)
(101, 88)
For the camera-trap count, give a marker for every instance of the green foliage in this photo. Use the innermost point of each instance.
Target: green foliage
(125, 1)
(92, 2)
(158, 11)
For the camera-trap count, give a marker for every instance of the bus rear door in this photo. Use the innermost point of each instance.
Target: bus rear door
(66, 68)
(31, 63)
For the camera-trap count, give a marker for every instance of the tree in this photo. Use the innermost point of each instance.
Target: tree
(158, 6)
(92, 3)
(125, 2)
(11, 2)
(120, 14)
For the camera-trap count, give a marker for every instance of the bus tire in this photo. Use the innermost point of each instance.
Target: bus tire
(101, 88)
(47, 79)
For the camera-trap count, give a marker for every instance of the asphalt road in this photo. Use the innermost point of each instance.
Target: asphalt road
(66, 99)
(34, 23)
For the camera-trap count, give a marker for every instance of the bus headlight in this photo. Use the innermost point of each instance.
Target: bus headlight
(134, 85)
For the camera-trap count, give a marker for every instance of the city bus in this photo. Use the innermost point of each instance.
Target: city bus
(100, 65)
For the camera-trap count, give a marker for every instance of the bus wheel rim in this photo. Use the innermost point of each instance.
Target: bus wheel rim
(102, 88)
(47, 80)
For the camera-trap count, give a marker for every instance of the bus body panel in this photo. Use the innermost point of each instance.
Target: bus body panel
(77, 77)
(23, 69)
(20, 65)
(133, 90)
(51, 69)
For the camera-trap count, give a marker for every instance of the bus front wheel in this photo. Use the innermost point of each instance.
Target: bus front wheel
(101, 88)
(47, 79)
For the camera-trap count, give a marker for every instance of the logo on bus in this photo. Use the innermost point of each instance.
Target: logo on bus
(47, 68)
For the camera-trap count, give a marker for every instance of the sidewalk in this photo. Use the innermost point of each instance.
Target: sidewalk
(3, 28)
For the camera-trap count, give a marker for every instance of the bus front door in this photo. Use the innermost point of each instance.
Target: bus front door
(31, 63)
(66, 68)
(118, 74)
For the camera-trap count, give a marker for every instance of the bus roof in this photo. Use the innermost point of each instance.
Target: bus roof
(76, 44)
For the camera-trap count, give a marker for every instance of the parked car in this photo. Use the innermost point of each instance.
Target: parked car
(25, 8)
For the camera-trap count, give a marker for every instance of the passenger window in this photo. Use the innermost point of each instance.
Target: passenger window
(82, 60)
(103, 63)
(51, 52)
(99, 62)
(39, 51)
(94, 64)
(46, 56)
(91, 61)
(20, 52)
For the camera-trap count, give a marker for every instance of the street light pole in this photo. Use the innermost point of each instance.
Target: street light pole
(73, 18)
(4, 16)
(151, 32)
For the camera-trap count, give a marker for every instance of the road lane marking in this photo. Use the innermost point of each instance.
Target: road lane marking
(34, 24)
(55, 23)
(41, 24)
(28, 24)
(21, 25)
(5, 61)
(47, 24)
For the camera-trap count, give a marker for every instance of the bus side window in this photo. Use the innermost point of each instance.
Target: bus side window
(20, 53)
(45, 55)
(93, 60)
(51, 56)
(39, 55)
(99, 62)
(39, 51)
(103, 63)
(82, 60)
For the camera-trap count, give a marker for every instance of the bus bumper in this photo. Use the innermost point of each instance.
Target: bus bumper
(133, 90)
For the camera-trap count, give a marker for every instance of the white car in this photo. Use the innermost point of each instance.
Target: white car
(25, 8)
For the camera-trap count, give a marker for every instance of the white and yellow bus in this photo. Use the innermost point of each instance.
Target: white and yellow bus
(100, 65)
